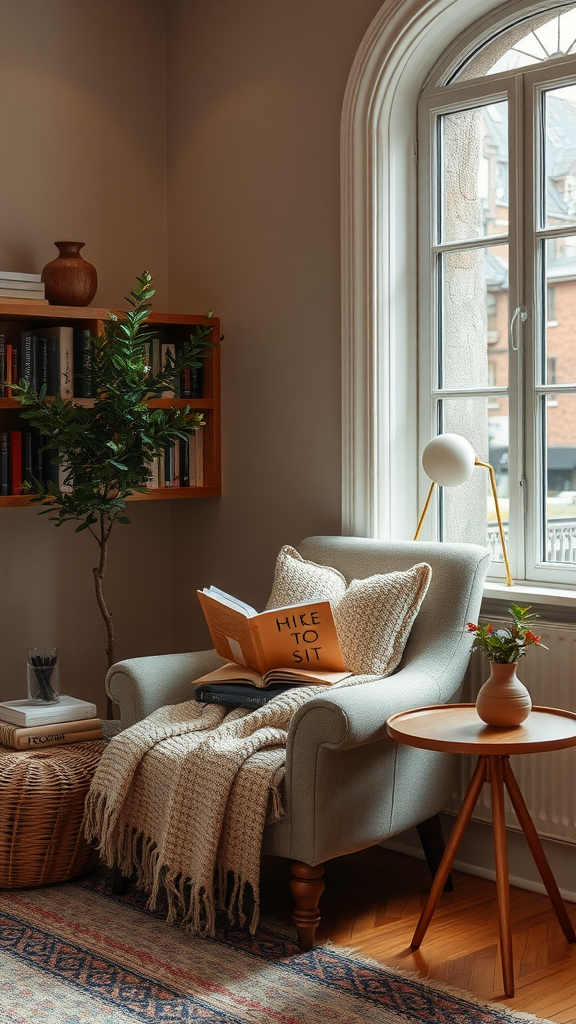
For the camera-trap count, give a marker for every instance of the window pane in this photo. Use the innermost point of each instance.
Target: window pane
(473, 318)
(560, 534)
(473, 186)
(559, 364)
(533, 40)
(469, 511)
(560, 156)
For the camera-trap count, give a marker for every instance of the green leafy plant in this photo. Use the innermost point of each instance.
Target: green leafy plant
(105, 451)
(507, 645)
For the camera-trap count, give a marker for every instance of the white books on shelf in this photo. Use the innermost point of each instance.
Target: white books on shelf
(16, 275)
(19, 284)
(68, 709)
(24, 294)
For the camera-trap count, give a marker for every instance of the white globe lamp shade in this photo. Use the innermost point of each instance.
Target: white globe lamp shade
(448, 460)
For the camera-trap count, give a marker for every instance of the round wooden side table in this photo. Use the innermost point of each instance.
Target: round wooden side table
(456, 728)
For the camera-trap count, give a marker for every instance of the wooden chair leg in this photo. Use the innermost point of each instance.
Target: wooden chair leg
(433, 844)
(119, 882)
(306, 886)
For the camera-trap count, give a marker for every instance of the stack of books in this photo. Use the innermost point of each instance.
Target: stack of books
(21, 287)
(26, 726)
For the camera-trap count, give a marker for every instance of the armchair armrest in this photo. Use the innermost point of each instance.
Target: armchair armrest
(349, 716)
(141, 685)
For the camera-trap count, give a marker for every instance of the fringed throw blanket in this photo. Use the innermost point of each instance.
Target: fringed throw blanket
(182, 799)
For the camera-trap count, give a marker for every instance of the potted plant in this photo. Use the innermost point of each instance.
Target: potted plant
(503, 700)
(105, 452)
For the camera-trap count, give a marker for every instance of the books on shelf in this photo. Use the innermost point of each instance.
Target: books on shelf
(59, 358)
(299, 641)
(181, 464)
(22, 287)
(16, 275)
(52, 735)
(67, 709)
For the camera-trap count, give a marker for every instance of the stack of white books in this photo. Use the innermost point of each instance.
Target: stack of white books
(28, 726)
(21, 287)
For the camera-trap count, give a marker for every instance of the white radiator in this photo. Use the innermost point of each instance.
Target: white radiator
(547, 781)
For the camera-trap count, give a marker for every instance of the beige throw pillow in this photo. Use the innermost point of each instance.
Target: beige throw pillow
(373, 616)
(296, 579)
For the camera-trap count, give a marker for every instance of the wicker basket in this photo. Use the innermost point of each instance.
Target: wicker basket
(42, 794)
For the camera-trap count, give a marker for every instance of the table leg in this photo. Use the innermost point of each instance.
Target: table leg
(472, 793)
(502, 886)
(537, 852)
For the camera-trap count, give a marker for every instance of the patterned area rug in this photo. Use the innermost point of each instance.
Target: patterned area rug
(77, 954)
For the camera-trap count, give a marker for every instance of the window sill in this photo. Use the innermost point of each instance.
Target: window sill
(552, 604)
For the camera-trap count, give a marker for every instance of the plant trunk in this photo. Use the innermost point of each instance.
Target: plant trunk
(99, 573)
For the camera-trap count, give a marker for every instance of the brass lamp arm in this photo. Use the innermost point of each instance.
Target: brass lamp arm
(486, 465)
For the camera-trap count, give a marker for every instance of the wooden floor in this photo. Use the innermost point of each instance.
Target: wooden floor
(372, 902)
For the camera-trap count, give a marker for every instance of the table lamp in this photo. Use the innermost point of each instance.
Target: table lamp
(449, 460)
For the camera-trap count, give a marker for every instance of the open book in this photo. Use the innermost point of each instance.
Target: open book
(277, 677)
(300, 639)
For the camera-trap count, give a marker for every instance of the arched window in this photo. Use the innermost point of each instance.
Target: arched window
(470, 150)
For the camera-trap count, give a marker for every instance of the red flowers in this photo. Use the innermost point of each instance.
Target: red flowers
(506, 644)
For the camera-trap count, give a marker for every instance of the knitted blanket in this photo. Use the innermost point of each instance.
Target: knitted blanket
(182, 799)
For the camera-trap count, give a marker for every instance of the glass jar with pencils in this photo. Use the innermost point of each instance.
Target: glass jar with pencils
(42, 675)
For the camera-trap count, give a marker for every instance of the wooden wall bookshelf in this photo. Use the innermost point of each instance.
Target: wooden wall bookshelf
(16, 316)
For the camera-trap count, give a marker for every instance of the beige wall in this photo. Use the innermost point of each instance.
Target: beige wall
(254, 100)
(83, 156)
(254, 95)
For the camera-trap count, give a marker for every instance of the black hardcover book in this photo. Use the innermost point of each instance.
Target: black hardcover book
(4, 462)
(83, 364)
(27, 456)
(185, 463)
(28, 355)
(42, 364)
(52, 365)
(239, 695)
(38, 458)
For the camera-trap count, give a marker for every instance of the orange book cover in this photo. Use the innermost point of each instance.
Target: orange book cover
(301, 636)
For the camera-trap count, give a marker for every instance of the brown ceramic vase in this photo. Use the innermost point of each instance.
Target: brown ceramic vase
(503, 700)
(69, 279)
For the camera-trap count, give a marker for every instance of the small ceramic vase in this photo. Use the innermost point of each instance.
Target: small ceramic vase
(69, 279)
(503, 700)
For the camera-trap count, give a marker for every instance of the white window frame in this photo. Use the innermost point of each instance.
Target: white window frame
(380, 461)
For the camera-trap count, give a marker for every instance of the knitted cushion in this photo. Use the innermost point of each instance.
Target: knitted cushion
(373, 616)
(296, 579)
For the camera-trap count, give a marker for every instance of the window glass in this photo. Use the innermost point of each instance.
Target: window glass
(473, 183)
(560, 498)
(473, 312)
(531, 41)
(559, 322)
(560, 156)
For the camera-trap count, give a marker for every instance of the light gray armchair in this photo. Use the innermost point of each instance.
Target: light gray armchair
(347, 784)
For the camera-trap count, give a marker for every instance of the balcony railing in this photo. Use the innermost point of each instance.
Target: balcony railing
(560, 540)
